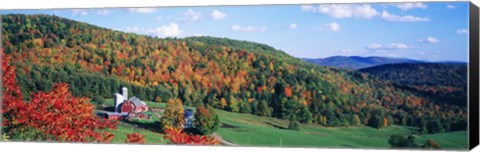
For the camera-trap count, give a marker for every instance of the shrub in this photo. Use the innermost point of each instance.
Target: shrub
(399, 141)
(135, 138)
(206, 120)
(177, 136)
(294, 125)
(431, 144)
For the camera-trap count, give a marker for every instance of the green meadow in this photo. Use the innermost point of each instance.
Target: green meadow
(252, 130)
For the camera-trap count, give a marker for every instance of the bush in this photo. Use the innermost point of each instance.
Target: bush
(206, 120)
(245, 107)
(294, 125)
(431, 145)
(399, 141)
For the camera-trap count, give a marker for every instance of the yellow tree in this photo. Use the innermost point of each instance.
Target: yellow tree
(173, 115)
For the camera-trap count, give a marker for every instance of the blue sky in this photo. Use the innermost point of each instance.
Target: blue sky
(433, 31)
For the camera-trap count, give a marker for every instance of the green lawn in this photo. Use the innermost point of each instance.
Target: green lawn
(152, 137)
(150, 128)
(454, 140)
(251, 130)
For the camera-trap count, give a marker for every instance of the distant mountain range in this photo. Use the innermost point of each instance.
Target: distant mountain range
(358, 62)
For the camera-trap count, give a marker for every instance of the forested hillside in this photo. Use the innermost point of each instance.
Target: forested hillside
(232, 75)
(445, 82)
(358, 62)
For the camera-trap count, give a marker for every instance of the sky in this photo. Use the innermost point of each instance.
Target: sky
(431, 31)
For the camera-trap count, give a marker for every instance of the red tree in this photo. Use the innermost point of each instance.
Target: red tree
(56, 115)
(12, 98)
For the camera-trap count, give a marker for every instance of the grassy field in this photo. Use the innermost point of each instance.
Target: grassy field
(151, 136)
(250, 130)
(150, 128)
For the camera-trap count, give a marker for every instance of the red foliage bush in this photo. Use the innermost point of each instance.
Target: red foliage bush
(135, 138)
(177, 136)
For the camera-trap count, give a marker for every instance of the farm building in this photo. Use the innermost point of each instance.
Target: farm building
(114, 115)
(133, 105)
(188, 115)
(124, 107)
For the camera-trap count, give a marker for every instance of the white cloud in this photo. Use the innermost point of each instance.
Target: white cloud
(191, 16)
(409, 6)
(217, 15)
(132, 29)
(170, 30)
(407, 18)
(449, 6)
(292, 26)
(421, 52)
(308, 8)
(343, 10)
(346, 52)
(142, 10)
(391, 46)
(249, 28)
(159, 18)
(79, 12)
(429, 40)
(462, 31)
(331, 26)
(104, 12)
(374, 46)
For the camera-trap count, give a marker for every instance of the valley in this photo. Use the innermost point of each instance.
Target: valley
(263, 96)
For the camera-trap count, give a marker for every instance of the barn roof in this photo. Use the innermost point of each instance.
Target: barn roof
(137, 102)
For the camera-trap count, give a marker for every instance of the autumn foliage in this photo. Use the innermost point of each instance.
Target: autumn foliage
(12, 97)
(55, 115)
(223, 73)
(206, 120)
(173, 115)
(135, 138)
(177, 136)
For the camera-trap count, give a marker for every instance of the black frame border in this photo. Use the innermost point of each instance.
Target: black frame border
(473, 105)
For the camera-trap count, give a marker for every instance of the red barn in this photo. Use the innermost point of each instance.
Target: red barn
(133, 105)
(113, 116)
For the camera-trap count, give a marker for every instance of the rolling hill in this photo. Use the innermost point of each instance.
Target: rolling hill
(358, 62)
(236, 76)
(445, 82)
